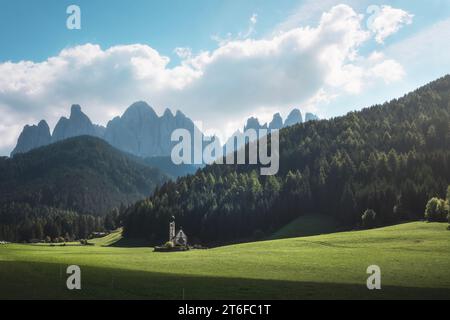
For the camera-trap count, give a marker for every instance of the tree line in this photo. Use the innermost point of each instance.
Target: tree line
(20, 222)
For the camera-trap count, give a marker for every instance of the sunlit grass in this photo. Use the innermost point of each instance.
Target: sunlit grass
(414, 259)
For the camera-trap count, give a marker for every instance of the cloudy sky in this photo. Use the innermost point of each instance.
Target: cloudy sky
(218, 61)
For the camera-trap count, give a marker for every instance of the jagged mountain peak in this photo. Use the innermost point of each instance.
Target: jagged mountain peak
(139, 109)
(75, 109)
(180, 114)
(78, 124)
(43, 124)
(310, 117)
(168, 113)
(252, 123)
(277, 122)
(294, 117)
(33, 137)
(77, 115)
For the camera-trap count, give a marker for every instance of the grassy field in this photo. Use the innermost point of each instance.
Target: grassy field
(414, 259)
(309, 225)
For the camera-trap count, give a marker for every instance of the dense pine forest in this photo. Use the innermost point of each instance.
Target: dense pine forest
(21, 222)
(389, 158)
(68, 188)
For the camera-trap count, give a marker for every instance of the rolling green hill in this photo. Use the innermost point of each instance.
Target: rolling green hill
(84, 174)
(44, 191)
(413, 258)
(308, 225)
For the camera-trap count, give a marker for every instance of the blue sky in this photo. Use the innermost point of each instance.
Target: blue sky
(35, 30)
(235, 58)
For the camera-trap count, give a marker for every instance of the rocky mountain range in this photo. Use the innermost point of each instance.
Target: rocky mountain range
(139, 131)
(33, 137)
(277, 123)
(77, 125)
(294, 117)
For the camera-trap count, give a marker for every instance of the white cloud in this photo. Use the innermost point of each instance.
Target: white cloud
(303, 65)
(386, 21)
(388, 70)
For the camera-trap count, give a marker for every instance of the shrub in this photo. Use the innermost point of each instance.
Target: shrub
(169, 245)
(436, 210)
(369, 219)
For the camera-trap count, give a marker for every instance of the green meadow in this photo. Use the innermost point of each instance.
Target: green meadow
(414, 259)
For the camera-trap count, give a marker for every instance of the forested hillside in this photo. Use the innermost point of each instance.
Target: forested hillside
(67, 187)
(390, 158)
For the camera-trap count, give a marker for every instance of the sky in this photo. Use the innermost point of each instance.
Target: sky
(218, 61)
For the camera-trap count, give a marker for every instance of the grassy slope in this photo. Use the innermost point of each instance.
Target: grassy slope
(109, 239)
(309, 225)
(414, 259)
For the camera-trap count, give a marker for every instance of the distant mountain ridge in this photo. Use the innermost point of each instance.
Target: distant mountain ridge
(139, 131)
(295, 117)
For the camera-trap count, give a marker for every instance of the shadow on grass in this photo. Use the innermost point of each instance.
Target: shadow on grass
(26, 280)
(131, 243)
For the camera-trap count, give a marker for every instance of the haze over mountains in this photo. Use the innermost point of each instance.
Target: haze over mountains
(139, 131)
